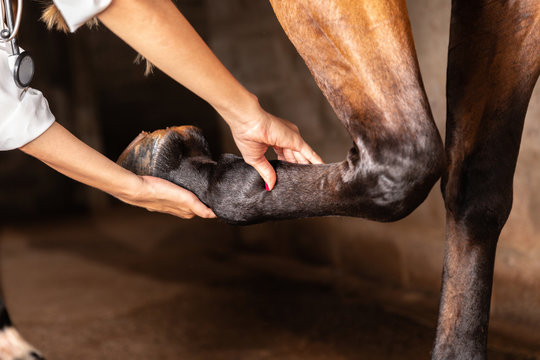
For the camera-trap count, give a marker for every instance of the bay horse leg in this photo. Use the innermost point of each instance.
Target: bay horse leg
(361, 53)
(493, 65)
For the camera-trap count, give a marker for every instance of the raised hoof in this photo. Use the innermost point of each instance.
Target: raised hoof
(14, 347)
(151, 152)
(32, 355)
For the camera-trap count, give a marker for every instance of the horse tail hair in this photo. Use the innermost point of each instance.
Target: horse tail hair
(53, 19)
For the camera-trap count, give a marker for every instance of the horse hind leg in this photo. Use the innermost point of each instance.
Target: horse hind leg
(12, 345)
(493, 66)
(362, 56)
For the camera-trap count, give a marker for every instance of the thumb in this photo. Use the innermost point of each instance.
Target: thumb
(266, 171)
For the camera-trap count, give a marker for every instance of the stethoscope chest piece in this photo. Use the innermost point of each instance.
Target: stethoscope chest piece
(23, 71)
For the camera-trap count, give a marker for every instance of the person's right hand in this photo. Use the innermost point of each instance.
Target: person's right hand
(160, 195)
(62, 151)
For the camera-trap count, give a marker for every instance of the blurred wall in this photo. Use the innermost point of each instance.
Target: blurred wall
(97, 93)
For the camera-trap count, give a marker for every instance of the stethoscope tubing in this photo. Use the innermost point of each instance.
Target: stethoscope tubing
(23, 66)
(7, 16)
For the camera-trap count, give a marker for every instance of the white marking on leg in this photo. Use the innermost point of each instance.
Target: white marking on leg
(13, 346)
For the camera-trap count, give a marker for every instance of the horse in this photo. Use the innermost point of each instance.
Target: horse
(362, 56)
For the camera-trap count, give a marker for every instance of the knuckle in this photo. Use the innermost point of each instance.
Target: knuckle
(250, 161)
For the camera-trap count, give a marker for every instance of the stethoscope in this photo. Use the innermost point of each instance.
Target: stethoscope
(23, 67)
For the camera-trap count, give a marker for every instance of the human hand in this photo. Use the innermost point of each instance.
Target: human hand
(254, 136)
(160, 195)
(62, 151)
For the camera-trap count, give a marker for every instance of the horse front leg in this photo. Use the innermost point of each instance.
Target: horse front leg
(362, 55)
(493, 65)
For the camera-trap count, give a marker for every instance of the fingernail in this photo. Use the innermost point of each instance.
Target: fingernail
(266, 186)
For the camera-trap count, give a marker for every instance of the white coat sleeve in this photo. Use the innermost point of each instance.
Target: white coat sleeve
(24, 114)
(78, 12)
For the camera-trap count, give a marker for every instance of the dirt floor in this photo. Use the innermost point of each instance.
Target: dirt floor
(135, 285)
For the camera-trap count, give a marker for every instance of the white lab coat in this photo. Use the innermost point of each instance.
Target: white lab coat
(25, 114)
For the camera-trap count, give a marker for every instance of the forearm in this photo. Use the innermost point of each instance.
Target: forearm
(160, 32)
(62, 151)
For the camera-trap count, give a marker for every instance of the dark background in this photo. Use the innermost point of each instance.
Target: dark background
(97, 92)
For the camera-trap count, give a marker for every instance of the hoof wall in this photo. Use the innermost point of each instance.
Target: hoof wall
(150, 151)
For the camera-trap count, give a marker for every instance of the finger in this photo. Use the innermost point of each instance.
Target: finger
(198, 208)
(298, 144)
(279, 153)
(311, 155)
(183, 214)
(202, 210)
(300, 158)
(186, 215)
(266, 171)
(187, 207)
(288, 153)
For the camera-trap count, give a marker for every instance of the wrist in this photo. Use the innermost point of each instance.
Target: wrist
(131, 189)
(242, 111)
